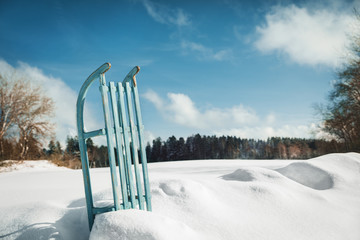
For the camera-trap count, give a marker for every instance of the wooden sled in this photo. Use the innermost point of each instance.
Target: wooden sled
(125, 143)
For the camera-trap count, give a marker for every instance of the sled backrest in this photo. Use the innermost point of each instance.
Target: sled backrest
(125, 143)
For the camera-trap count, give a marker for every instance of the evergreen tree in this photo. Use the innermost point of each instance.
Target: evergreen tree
(182, 149)
(51, 148)
(198, 151)
(156, 150)
(91, 152)
(148, 152)
(72, 145)
(58, 149)
(172, 149)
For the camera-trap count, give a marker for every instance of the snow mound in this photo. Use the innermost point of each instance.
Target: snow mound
(176, 188)
(239, 175)
(252, 174)
(308, 175)
(38, 165)
(183, 196)
(136, 224)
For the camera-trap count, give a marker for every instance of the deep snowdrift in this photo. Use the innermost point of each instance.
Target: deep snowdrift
(223, 199)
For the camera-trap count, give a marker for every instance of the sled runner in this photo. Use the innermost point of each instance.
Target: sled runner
(125, 143)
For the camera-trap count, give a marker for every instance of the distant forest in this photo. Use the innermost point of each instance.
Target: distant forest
(227, 147)
(200, 147)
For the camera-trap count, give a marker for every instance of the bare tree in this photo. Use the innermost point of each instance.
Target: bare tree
(342, 114)
(25, 110)
(32, 122)
(11, 97)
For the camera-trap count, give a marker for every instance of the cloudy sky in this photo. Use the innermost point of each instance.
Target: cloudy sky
(252, 69)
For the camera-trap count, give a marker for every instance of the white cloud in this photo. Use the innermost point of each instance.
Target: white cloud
(180, 109)
(63, 96)
(309, 37)
(237, 120)
(318, 132)
(270, 119)
(166, 15)
(205, 53)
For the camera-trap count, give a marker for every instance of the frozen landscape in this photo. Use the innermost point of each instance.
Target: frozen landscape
(210, 199)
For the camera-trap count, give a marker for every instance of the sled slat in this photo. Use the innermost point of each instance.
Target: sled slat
(118, 138)
(110, 142)
(140, 133)
(134, 147)
(126, 130)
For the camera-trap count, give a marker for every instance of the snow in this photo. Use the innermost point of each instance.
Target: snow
(208, 199)
(12, 165)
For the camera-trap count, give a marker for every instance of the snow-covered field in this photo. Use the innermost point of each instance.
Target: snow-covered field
(213, 199)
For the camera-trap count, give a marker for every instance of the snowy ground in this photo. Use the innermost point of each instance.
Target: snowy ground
(228, 199)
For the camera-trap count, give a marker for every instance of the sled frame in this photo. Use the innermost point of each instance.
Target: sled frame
(124, 133)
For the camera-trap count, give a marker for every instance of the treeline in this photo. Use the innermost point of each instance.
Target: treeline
(198, 147)
(70, 156)
(11, 149)
(227, 147)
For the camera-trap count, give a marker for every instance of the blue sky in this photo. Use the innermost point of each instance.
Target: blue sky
(252, 69)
